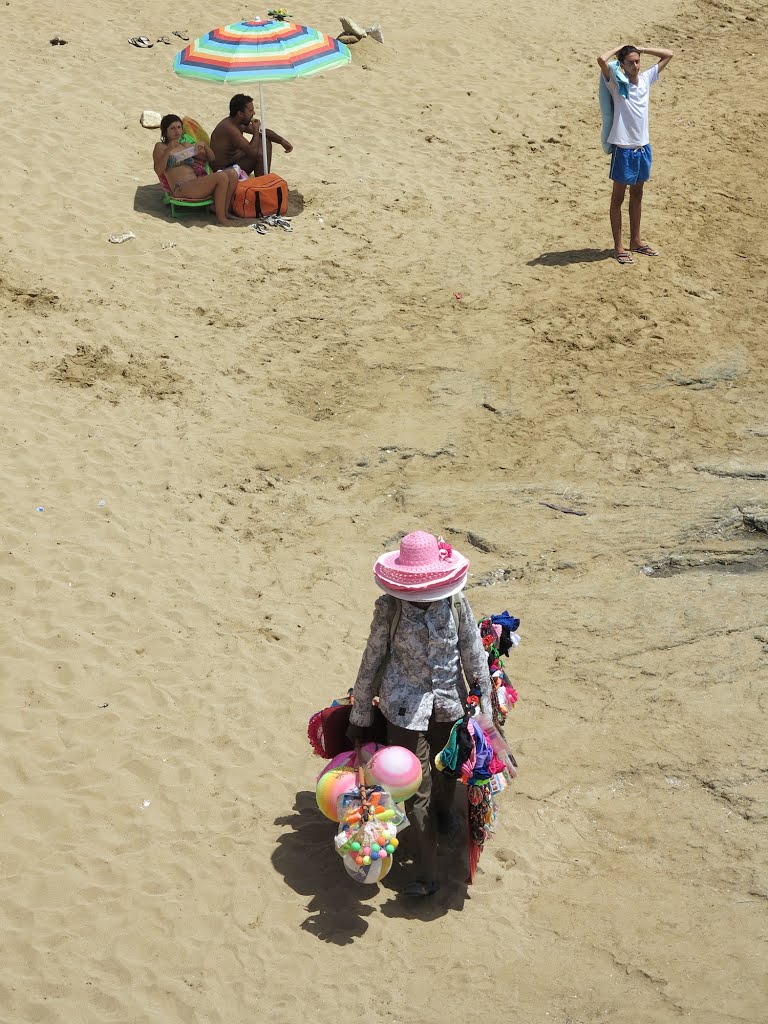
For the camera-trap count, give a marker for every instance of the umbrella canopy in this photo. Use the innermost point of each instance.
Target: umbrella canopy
(260, 51)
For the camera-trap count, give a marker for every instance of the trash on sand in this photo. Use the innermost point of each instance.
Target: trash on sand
(146, 803)
(39, 509)
(117, 239)
(101, 503)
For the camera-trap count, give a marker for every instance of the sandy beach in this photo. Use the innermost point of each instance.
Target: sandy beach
(208, 436)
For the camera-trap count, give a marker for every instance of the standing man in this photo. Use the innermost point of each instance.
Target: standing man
(230, 146)
(631, 157)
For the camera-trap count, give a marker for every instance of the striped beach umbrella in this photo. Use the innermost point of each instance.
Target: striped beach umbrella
(260, 51)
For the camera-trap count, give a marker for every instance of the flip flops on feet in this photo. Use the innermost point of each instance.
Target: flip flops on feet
(646, 250)
(141, 41)
(623, 258)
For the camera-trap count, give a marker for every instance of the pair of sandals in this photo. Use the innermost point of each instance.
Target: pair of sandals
(625, 258)
(57, 42)
(144, 43)
(274, 220)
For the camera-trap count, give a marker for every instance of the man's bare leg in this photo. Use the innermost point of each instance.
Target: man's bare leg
(635, 212)
(255, 165)
(260, 162)
(617, 199)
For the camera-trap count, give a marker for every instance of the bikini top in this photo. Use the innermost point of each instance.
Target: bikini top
(177, 161)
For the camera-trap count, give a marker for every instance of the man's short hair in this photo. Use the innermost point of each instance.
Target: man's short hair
(238, 103)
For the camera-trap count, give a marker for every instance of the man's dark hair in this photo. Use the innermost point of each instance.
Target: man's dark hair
(238, 103)
(625, 51)
(166, 123)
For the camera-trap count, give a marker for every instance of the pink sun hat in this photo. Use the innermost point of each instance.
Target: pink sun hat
(423, 568)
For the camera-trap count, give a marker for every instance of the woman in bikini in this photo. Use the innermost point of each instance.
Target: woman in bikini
(183, 168)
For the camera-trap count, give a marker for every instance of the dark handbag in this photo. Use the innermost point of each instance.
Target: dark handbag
(327, 730)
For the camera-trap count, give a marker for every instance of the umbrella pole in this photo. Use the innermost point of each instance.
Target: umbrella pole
(263, 130)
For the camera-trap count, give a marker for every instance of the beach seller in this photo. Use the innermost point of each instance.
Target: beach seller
(230, 146)
(423, 657)
(628, 137)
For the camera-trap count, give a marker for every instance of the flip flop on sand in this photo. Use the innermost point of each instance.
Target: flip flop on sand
(164, 39)
(58, 42)
(623, 258)
(141, 41)
(646, 250)
(276, 220)
(182, 35)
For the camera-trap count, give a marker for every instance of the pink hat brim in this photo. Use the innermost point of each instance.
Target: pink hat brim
(424, 596)
(421, 586)
(389, 570)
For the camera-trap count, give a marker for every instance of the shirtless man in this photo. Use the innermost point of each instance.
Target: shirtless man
(631, 156)
(230, 145)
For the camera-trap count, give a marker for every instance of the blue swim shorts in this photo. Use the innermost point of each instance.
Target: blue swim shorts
(630, 166)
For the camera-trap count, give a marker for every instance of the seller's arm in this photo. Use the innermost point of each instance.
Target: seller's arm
(474, 657)
(665, 56)
(375, 652)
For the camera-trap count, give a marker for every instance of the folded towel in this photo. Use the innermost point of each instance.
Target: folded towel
(606, 101)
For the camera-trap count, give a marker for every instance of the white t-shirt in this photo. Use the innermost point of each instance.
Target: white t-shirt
(630, 115)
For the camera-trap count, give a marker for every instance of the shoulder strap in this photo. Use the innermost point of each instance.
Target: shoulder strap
(395, 621)
(456, 609)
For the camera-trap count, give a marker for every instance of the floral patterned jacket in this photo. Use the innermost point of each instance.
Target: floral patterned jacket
(423, 676)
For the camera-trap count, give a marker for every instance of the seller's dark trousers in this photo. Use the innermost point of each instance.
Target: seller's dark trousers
(435, 795)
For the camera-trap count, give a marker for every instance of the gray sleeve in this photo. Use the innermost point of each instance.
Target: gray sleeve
(373, 656)
(474, 660)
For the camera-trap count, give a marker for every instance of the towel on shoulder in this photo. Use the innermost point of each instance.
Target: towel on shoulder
(606, 101)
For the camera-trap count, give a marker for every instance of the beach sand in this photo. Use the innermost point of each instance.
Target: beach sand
(222, 431)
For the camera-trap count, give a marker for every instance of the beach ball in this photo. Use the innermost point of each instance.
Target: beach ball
(395, 769)
(367, 874)
(333, 783)
(343, 760)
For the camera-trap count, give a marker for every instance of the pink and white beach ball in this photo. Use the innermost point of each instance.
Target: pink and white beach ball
(395, 769)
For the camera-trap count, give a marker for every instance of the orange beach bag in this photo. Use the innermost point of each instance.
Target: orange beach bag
(260, 197)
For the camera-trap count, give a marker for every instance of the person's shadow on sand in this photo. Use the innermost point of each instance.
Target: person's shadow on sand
(566, 256)
(338, 908)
